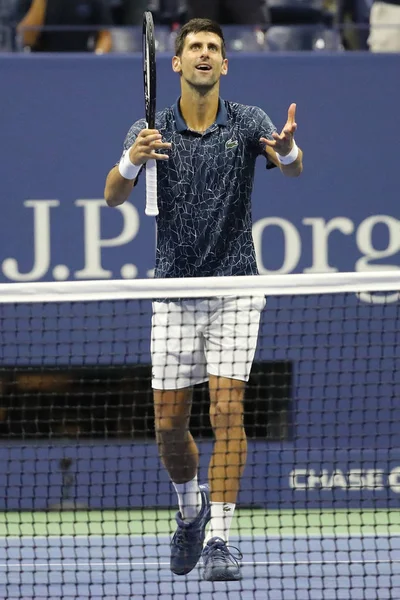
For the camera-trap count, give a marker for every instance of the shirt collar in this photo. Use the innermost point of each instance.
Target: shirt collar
(222, 116)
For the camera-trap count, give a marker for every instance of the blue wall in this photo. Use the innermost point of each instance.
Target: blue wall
(131, 476)
(63, 121)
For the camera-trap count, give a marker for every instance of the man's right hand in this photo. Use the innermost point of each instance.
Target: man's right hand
(145, 146)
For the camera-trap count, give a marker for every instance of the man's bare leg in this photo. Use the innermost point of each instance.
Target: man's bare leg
(229, 454)
(177, 448)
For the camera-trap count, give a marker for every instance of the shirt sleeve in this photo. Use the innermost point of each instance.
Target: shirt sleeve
(263, 127)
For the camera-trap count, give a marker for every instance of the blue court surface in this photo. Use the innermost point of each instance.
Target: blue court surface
(128, 567)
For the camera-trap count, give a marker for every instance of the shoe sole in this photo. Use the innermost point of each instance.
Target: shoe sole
(223, 576)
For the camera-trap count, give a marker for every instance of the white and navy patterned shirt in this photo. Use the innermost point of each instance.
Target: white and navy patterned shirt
(204, 226)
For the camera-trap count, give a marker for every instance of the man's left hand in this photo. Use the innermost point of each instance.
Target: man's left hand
(283, 142)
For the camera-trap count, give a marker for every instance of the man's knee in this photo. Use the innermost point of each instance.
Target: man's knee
(226, 413)
(226, 403)
(171, 411)
(171, 431)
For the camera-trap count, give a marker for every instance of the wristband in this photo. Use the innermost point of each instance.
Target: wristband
(126, 168)
(291, 157)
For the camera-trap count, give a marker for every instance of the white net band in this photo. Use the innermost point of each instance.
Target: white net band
(199, 287)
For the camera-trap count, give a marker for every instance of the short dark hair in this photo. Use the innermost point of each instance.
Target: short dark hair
(196, 26)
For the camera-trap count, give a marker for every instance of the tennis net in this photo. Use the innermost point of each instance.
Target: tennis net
(87, 509)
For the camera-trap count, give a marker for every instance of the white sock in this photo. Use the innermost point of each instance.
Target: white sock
(189, 499)
(221, 520)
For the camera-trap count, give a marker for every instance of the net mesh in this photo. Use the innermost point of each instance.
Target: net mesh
(87, 508)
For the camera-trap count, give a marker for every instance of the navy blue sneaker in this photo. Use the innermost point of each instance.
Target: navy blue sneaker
(219, 563)
(187, 543)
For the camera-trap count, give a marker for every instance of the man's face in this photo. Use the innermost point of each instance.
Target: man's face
(201, 63)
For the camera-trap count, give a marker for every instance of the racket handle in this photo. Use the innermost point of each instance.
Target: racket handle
(151, 188)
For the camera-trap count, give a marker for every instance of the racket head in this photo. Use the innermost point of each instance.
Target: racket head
(149, 69)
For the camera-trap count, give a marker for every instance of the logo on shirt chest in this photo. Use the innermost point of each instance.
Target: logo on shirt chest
(231, 144)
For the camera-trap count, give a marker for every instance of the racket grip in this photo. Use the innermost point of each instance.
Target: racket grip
(151, 188)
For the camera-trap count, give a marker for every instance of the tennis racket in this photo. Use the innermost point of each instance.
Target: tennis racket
(149, 72)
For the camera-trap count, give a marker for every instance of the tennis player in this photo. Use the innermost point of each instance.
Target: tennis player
(206, 149)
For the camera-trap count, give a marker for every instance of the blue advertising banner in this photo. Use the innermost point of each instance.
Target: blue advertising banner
(118, 476)
(63, 121)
